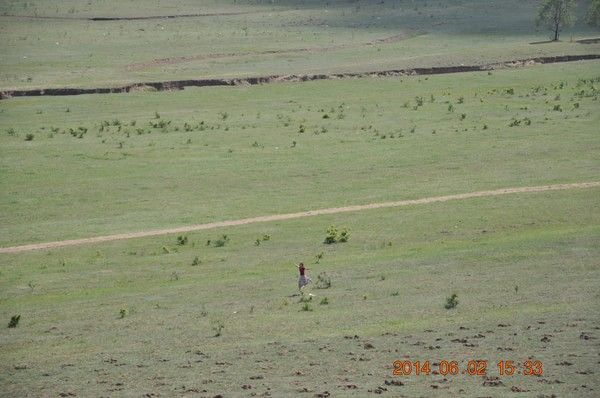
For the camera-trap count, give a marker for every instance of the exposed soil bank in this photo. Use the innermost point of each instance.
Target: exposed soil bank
(100, 19)
(180, 84)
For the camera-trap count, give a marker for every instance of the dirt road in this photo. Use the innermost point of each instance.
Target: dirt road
(289, 216)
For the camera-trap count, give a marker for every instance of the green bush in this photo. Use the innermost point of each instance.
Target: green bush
(332, 235)
(323, 281)
(14, 321)
(451, 302)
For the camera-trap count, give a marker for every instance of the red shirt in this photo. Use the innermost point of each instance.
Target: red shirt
(301, 268)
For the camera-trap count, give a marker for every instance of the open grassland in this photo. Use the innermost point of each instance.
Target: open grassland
(141, 317)
(167, 316)
(83, 166)
(57, 46)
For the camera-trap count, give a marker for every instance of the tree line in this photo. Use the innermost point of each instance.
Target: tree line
(558, 14)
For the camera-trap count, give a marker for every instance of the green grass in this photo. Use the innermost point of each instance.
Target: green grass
(175, 316)
(71, 52)
(71, 331)
(61, 186)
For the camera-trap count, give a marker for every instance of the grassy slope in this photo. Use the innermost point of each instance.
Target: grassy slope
(64, 187)
(41, 53)
(71, 339)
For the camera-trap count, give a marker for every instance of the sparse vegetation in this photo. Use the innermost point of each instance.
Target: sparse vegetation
(14, 321)
(451, 302)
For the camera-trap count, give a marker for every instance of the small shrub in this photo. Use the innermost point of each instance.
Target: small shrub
(344, 236)
(29, 137)
(331, 235)
(323, 281)
(196, 261)
(222, 241)
(451, 302)
(182, 240)
(450, 108)
(461, 100)
(557, 108)
(419, 101)
(257, 242)
(306, 307)
(223, 115)
(324, 301)
(122, 313)
(14, 321)
(318, 257)
(509, 91)
(218, 327)
(463, 116)
(11, 132)
(395, 294)
(266, 237)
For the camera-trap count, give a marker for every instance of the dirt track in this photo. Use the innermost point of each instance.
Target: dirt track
(177, 60)
(181, 84)
(289, 216)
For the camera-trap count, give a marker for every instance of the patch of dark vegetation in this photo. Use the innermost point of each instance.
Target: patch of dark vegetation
(14, 321)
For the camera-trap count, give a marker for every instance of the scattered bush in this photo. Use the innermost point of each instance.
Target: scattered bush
(323, 281)
(222, 241)
(14, 321)
(451, 302)
(182, 240)
(318, 257)
(218, 327)
(334, 236)
(29, 137)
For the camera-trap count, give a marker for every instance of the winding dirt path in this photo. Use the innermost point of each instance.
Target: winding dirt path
(210, 56)
(289, 216)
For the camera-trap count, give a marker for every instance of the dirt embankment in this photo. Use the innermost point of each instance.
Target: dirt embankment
(101, 19)
(181, 84)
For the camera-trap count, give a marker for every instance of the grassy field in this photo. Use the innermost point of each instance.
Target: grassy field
(140, 317)
(217, 312)
(287, 148)
(269, 38)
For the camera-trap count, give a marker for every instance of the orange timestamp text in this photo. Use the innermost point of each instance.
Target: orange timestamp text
(476, 367)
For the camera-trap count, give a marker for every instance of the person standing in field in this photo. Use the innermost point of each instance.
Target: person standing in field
(304, 279)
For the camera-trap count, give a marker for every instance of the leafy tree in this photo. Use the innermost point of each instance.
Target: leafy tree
(555, 15)
(593, 15)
